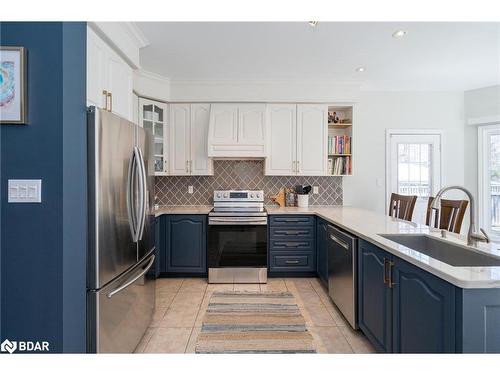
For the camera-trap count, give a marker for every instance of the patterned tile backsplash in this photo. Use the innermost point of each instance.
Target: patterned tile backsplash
(244, 175)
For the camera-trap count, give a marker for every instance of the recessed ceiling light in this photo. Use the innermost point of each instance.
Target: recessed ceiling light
(313, 23)
(399, 33)
(360, 69)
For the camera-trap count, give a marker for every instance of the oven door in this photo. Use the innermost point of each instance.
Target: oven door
(237, 245)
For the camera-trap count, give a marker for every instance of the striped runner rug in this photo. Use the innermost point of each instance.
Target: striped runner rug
(254, 322)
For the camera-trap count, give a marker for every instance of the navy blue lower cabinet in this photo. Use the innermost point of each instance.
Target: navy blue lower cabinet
(292, 245)
(185, 244)
(322, 250)
(374, 296)
(423, 311)
(159, 242)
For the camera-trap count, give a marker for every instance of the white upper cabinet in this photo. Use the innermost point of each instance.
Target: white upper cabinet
(297, 140)
(201, 164)
(109, 78)
(153, 116)
(188, 140)
(281, 139)
(237, 130)
(180, 124)
(312, 139)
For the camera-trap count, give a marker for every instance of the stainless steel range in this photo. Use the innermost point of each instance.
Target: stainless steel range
(237, 237)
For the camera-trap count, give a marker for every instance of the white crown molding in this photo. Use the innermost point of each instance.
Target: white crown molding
(484, 120)
(136, 34)
(152, 75)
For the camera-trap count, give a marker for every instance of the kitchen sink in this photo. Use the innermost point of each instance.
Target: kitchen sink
(444, 251)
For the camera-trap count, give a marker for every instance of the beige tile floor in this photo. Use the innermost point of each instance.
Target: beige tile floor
(181, 304)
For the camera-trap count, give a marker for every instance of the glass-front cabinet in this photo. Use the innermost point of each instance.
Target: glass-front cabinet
(153, 116)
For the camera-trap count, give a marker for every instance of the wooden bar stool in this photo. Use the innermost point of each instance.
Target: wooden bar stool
(449, 217)
(402, 206)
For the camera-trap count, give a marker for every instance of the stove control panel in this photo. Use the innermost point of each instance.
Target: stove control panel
(238, 196)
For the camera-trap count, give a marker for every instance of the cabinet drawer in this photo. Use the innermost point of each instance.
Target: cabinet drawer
(289, 245)
(286, 220)
(290, 234)
(299, 262)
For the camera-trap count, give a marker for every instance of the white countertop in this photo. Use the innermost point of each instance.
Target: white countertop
(182, 210)
(368, 225)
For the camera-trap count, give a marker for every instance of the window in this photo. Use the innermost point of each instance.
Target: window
(489, 178)
(414, 172)
(414, 167)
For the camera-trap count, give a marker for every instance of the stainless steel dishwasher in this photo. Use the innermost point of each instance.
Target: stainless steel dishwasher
(342, 250)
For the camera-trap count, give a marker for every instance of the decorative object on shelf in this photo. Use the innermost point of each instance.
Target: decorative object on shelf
(279, 198)
(13, 85)
(345, 121)
(291, 197)
(333, 118)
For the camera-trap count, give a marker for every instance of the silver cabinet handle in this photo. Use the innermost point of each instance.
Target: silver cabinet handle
(291, 261)
(294, 169)
(291, 244)
(190, 167)
(340, 242)
(298, 166)
(128, 283)
(291, 232)
(187, 166)
(105, 93)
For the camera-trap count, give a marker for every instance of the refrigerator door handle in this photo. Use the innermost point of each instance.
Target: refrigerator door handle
(133, 280)
(132, 216)
(143, 187)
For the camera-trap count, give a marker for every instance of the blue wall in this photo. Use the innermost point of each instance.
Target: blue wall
(43, 245)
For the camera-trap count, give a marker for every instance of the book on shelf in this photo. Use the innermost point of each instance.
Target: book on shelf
(340, 165)
(339, 145)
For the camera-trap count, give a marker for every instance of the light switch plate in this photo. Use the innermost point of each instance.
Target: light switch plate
(315, 189)
(190, 189)
(25, 191)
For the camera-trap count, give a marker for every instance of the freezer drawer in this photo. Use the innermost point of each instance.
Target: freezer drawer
(342, 250)
(120, 313)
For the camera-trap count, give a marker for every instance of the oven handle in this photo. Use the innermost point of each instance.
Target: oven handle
(238, 221)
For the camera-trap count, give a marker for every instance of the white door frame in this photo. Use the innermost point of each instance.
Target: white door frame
(391, 132)
(482, 157)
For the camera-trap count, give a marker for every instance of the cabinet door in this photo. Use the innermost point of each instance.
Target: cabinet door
(96, 54)
(423, 311)
(201, 164)
(224, 118)
(374, 296)
(252, 124)
(322, 245)
(186, 244)
(119, 83)
(312, 135)
(281, 139)
(153, 116)
(180, 139)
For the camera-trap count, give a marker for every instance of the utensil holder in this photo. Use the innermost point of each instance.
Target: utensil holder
(303, 200)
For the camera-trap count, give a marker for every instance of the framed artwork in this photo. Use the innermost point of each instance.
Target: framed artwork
(13, 105)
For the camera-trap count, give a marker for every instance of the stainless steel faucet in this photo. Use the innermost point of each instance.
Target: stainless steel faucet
(472, 236)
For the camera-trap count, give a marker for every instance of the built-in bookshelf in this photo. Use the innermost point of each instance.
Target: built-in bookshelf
(340, 123)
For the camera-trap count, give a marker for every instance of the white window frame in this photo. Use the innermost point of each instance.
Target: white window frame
(417, 132)
(483, 159)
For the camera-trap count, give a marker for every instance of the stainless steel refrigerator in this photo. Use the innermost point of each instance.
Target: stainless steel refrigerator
(120, 286)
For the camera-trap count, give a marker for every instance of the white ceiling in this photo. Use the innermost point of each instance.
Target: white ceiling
(432, 56)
